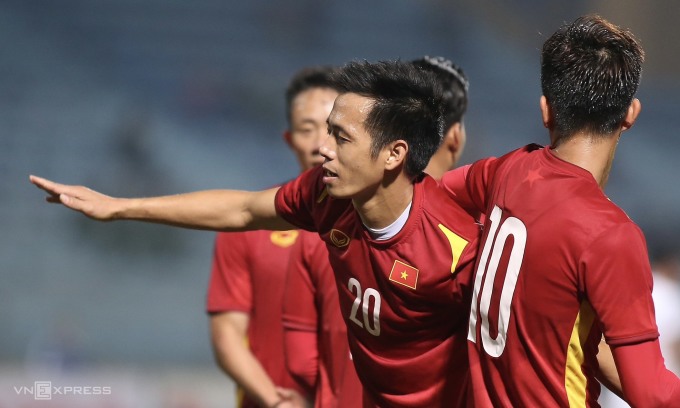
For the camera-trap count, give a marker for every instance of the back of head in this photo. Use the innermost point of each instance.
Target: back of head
(306, 79)
(407, 106)
(590, 71)
(454, 85)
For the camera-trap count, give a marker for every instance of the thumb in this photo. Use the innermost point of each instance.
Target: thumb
(284, 393)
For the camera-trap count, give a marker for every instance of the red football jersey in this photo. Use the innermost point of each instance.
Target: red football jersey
(311, 304)
(559, 266)
(249, 275)
(405, 300)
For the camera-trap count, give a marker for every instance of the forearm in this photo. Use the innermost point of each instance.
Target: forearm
(221, 210)
(645, 380)
(249, 374)
(237, 361)
(607, 374)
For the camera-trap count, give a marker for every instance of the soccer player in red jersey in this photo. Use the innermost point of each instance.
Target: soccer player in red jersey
(400, 248)
(245, 294)
(560, 264)
(317, 352)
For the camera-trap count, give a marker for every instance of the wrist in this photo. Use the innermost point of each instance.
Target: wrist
(131, 209)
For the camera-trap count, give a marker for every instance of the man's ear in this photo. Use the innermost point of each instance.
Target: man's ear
(453, 138)
(546, 112)
(396, 154)
(633, 111)
(288, 138)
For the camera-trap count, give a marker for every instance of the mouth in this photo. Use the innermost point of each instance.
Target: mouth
(328, 176)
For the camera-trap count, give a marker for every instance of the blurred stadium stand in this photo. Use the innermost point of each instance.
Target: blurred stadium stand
(164, 96)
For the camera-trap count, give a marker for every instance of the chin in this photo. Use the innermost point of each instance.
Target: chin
(336, 193)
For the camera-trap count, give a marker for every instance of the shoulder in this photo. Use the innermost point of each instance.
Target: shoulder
(530, 150)
(441, 209)
(619, 232)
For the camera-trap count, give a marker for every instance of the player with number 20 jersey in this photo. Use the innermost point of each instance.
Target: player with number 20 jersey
(404, 299)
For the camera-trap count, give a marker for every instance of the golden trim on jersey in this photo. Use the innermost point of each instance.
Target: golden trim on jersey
(575, 381)
(339, 238)
(322, 196)
(405, 274)
(457, 243)
(284, 239)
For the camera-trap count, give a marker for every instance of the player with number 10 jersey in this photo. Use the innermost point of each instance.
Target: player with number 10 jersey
(405, 299)
(552, 248)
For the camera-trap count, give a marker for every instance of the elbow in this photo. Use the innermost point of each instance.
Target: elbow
(655, 401)
(663, 392)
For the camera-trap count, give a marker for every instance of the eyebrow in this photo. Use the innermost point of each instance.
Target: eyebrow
(333, 126)
(308, 121)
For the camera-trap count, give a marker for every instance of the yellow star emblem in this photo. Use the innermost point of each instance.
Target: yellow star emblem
(404, 275)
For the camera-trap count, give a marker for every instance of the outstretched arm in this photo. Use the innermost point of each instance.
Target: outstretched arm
(220, 210)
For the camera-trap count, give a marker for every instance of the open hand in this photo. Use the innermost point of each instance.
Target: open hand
(89, 202)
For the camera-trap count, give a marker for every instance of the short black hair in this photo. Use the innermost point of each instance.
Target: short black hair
(454, 84)
(407, 106)
(590, 72)
(306, 79)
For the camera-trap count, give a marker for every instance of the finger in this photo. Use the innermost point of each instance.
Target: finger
(284, 393)
(44, 184)
(59, 193)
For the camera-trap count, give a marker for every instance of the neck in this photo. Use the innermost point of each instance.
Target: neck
(387, 204)
(440, 163)
(594, 153)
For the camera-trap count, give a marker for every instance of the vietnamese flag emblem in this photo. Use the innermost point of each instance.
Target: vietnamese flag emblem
(404, 274)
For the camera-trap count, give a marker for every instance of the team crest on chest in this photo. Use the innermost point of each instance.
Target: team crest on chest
(339, 238)
(404, 274)
(284, 239)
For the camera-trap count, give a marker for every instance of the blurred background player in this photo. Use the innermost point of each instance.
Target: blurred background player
(560, 264)
(317, 351)
(245, 292)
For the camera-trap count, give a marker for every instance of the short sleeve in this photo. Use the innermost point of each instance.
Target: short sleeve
(295, 199)
(299, 305)
(230, 286)
(618, 285)
(467, 185)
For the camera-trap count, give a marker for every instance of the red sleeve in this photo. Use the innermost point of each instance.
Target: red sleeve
(467, 185)
(230, 287)
(300, 315)
(295, 200)
(618, 283)
(299, 305)
(644, 378)
(302, 358)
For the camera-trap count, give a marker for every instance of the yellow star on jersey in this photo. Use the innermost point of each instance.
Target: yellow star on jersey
(404, 274)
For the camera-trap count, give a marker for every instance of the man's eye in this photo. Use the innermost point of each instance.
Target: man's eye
(339, 139)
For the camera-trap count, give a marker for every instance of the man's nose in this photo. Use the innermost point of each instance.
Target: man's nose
(325, 147)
